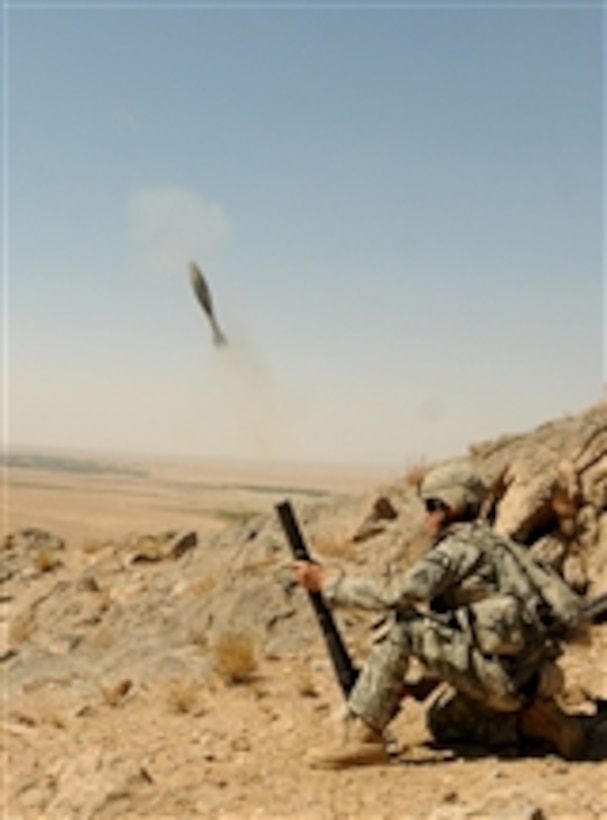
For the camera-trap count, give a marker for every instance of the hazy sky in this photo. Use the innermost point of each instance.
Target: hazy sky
(398, 208)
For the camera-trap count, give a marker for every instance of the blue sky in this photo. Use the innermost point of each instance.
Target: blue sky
(398, 209)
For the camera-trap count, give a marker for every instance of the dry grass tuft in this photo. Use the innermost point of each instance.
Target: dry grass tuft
(234, 657)
(416, 473)
(47, 560)
(184, 697)
(90, 546)
(105, 599)
(305, 683)
(115, 695)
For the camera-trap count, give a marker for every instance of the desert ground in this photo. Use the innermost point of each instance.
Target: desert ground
(213, 744)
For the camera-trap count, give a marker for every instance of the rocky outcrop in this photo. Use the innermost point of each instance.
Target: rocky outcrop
(550, 492)
(30, 552)
(153, 604)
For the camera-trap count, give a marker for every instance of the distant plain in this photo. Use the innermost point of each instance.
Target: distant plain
(81, 497)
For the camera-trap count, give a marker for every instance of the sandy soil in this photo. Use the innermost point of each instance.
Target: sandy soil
(181, 750)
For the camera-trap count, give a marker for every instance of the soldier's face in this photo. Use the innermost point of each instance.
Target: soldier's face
(435, 516)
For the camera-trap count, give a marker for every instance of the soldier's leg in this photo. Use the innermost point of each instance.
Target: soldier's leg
(446, 653)
(378, 692)
(490, 703)
(372, 704)
(451, 655)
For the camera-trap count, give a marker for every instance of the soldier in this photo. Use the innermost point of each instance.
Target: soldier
(469, 615)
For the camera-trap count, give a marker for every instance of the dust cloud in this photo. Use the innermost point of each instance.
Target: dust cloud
(261, 413)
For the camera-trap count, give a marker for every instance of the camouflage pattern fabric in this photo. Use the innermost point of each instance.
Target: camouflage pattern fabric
(445, 652)
(451, 579)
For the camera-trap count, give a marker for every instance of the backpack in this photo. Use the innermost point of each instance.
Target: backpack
(546, 600)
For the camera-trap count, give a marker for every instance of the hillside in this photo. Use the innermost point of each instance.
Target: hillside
(179, 673)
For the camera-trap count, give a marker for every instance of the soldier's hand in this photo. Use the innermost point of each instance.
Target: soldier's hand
(309, 575)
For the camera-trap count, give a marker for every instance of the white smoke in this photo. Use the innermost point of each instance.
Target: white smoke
(171, 225)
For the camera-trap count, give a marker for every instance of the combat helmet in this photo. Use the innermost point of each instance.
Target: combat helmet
(458, 486)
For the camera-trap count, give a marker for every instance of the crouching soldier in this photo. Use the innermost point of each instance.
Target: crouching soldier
(469, 611)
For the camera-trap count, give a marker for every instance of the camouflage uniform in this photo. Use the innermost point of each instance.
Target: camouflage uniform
(450, 613)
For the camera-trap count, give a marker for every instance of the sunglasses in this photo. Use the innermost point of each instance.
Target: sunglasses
(432, 505)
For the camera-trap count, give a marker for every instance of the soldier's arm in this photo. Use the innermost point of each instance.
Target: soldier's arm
(440, 568)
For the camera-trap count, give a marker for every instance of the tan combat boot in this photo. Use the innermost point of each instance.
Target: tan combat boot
(362, 746)
(544, 720)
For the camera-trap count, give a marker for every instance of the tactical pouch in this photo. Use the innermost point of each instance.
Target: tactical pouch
(497, 625)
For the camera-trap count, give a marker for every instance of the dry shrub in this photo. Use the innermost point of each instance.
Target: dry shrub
(234, 657)
(115, 695)
(148, 548)
(89, 583)
(47, 559)
(91, 545)
(184, 697)
(105, 599)
(305, 683)
(416, 473)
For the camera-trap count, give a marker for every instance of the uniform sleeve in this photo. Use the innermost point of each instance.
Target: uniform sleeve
(440, 568)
